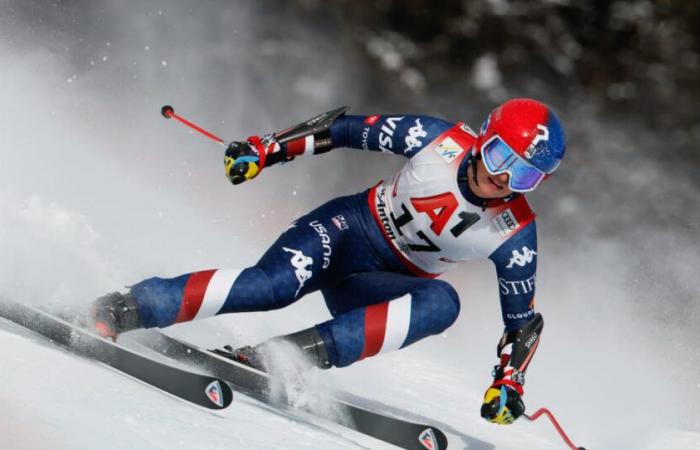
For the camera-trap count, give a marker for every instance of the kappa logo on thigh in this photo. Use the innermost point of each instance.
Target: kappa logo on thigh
(299, 262)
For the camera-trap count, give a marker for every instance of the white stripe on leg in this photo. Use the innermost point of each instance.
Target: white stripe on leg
(398, 320)
(217, 291)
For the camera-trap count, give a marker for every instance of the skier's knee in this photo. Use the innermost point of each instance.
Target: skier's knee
(283, 288)
(440, 304)
(256, 290)
(252, 291)
(450, 298)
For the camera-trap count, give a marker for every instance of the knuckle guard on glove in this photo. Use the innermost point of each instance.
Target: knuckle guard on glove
(502, 405)
(241, 162)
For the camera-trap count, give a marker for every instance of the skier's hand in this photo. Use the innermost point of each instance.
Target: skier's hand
(242, 162)
(502, 404)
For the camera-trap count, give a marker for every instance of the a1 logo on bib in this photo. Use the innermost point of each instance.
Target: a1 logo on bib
(449, 150)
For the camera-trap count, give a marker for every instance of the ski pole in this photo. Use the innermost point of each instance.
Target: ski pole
(169, 113)
(563, 435)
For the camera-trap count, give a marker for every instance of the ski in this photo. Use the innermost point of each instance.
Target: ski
(202, 390)
(260, 386)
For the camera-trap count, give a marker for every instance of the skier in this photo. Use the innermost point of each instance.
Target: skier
(375, 255)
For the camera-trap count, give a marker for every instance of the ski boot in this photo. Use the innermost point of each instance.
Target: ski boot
(308, 341)
(115, 313)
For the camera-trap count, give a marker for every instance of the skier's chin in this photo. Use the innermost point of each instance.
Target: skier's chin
(490, 189)
(494, 195)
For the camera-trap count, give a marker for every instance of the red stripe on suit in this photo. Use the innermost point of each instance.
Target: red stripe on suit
(296, 147)
(375, 327)
(193, 294)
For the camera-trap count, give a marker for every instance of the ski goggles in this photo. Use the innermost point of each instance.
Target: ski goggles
(500, 158)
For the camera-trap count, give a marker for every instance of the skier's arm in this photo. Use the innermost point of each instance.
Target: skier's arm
(516, 267)
(400, 134)
(405, 135)
(244, 160)
(516, 263)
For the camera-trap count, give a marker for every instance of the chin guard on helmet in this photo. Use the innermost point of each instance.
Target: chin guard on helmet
(311, 136)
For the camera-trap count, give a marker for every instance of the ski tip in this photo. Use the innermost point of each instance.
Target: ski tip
(167, 111)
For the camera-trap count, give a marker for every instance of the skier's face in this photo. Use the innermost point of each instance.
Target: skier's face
(489, 186)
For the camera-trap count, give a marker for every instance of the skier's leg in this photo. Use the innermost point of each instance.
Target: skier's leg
(381, 311)
(373, 312)
(289, 269)
(310, 254)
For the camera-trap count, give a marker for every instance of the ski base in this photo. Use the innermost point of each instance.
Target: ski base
(203, 390)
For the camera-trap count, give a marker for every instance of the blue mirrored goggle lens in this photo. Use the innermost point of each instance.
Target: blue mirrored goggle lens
(523, 179)
(500, 158)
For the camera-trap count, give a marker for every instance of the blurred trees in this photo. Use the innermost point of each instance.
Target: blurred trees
(623, 52)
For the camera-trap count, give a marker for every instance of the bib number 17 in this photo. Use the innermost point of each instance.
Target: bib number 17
(439, 208)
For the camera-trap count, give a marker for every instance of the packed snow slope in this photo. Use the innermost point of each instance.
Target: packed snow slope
(99, 192)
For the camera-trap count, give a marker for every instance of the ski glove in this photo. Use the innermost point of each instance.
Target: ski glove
(502, 404)
(243, 161)
(502, 400)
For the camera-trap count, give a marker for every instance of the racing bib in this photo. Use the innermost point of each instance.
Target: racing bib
(427, 221)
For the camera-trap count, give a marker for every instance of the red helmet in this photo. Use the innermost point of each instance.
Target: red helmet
(523, 138)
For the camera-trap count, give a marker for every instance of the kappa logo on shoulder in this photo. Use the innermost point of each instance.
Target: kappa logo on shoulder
(521, 259)
(449, 150)
(414, 134)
